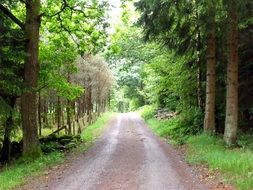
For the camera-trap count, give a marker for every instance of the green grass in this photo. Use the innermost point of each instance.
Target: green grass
(235, 165)
(171, 129)
(91, 133)
(17, 173)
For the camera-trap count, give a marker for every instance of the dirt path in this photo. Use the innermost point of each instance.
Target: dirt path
(128, 156)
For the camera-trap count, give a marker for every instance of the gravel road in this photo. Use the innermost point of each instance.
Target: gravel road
(129, 157)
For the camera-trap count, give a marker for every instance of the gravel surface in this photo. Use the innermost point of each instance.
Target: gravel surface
(129, 157)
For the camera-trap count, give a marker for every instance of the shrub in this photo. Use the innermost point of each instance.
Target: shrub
(147, 111)
(177, 129)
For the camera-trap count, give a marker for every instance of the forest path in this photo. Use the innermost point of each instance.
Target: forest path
(128, 156)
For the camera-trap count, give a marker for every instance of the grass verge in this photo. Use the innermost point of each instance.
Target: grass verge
(235, 165)
(17, 173)
(91, 133)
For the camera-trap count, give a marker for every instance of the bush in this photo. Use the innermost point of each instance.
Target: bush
(147, 111)
(177, 129)
(245, 140)
(172, 129)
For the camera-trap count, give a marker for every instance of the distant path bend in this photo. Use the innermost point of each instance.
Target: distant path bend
(128, 157)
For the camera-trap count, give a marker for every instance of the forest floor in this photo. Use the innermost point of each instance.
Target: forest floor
(127, 156)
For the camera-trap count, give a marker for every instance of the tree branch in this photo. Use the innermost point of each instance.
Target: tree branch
(9, 14)
(23, 1)
(63, 7)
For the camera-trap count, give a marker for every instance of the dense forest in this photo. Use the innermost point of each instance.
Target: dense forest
(191, 57)
(51, 70)
(65, 62)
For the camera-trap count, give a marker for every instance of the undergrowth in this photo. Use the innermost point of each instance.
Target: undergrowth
(178, 129)
(16, 174)
(147, 111)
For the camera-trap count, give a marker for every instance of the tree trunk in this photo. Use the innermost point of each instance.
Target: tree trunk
(31, 147)
(39, 114)
(69, 116)
(109, 100)
(45, 111)
(6, 149)
(58, 113)
(73, 104)
(231, 120)
(209, 121)
(89, 102)
(62, 113)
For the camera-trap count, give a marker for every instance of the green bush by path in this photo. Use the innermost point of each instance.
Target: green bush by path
(147, 111)
(179, 128)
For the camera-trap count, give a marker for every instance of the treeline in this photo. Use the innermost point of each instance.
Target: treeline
(51, 76)
(197, 62)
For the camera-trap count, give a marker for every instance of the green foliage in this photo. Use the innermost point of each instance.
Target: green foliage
(236, 165)
(245, 140)
(171, 81)
(147, 111)
(176, 130)
(15, 175)
(84, 22)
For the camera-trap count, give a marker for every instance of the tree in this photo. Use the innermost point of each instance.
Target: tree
(94, 74)
(231, 122)
(209, 120)
(31, 75)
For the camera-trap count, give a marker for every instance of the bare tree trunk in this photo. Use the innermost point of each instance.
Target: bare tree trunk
(83, 104)
(39, 114)
(231, 120)
(78, 115)
(69, 116)
(89, 102)
(62, 113)
(28, 100)
(74, 113)
(109, 100)
(58, 113)
(45, 111)
(209, 121)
